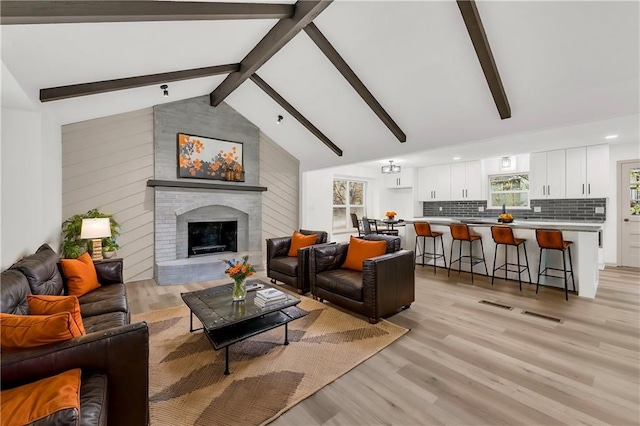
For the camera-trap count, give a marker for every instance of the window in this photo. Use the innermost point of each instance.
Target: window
(348, 197)
(510, 190)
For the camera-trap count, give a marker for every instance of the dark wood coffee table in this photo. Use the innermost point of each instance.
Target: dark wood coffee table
(225, 322)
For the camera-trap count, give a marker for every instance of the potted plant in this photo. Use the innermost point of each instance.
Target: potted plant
(109, 247)
(72, 246)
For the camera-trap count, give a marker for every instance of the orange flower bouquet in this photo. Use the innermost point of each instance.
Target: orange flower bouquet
(238, 272)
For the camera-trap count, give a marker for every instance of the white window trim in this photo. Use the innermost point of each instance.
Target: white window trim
(349, 228)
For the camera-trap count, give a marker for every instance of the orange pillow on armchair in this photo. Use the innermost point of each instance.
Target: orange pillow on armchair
(299, 241)
(359, 250)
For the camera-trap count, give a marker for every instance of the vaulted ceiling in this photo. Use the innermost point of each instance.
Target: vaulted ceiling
(561, 64)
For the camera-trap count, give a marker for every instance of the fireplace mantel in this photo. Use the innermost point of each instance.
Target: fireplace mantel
(204, 185)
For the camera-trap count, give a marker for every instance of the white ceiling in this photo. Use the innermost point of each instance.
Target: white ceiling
(562, 64)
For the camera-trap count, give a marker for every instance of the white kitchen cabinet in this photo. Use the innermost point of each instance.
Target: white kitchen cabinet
(434, 183)
(404, 179)
(466, 180)
(547, 177)
(587, 171)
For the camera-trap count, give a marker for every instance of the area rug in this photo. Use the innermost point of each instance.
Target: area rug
(188, 387)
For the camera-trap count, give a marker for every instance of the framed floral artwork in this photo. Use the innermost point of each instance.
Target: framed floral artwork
(200, 157)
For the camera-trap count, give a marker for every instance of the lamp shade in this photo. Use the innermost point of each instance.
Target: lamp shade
(95, 228)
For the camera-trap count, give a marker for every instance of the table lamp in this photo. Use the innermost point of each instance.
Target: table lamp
(96, 230)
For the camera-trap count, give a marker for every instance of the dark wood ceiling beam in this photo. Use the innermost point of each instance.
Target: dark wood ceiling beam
(295, 113)
(281, 33)
(480, 42)
(57, 12)
(84, 89)
(341, 65)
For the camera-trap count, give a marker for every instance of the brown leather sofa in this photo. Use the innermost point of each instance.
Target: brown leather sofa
(113, 355)
(293, 271)
(385, 285)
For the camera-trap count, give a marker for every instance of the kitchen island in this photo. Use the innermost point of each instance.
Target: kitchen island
(585, 236)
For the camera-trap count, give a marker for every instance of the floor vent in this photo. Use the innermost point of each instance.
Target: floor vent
(547, 317)
(497, 305)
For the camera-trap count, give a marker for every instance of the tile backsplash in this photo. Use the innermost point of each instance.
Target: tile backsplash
(573, 209)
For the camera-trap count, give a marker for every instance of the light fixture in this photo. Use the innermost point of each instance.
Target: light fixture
(165, 90)
(505, 162)
(456, 158)
(611, 137)
(280, 118)
(95, 230)
(391, 168)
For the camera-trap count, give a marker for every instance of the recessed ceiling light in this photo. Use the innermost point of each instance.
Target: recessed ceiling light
(456, 158)
(611, 137)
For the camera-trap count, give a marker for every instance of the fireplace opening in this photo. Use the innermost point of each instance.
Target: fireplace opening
(212, 237)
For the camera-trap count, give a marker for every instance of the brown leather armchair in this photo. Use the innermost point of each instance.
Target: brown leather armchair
(293, 271)
(386, 283)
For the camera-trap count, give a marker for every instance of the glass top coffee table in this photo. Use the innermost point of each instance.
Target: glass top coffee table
(226, 322)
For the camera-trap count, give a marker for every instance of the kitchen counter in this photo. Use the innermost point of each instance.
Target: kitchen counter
(585, 237)
(516, 224)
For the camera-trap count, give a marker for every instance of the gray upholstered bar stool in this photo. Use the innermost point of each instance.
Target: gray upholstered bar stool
(551, 239)
(423, 230)
(460, 232)
(504, 235)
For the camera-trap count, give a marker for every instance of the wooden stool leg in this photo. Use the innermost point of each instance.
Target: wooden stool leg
(460, 257)
(434, 255)
(506, 249)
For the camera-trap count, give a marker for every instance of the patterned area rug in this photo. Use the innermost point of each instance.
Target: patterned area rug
(188, 387)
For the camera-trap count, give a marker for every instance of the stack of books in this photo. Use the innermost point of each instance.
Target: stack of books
(268, 297)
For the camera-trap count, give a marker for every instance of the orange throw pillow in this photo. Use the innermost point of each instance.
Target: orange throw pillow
(359, 250)
(47, 305)
(81, 275)
(27, 403)
(28, 331)
(299, 240)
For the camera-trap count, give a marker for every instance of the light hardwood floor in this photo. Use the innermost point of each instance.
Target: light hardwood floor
(470, 363)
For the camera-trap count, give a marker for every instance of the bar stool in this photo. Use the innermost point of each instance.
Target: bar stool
(551, 239)
(504, 235)
(460, 232)
(423, 229)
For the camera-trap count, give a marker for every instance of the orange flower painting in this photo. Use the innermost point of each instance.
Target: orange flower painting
(207, 158)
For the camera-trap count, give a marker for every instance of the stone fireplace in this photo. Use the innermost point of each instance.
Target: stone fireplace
(198, 201)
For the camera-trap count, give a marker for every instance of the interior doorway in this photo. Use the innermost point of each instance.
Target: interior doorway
(629, 213)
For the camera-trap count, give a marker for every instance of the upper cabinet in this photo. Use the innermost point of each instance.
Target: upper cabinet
(547, 176)
(404, 179)
(434, 183)
(466, 181)
(588, 171)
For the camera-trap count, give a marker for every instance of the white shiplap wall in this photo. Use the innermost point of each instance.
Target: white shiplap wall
(106, 163)
(279, 172)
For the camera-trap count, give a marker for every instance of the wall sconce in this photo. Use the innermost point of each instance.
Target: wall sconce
(165, 90)
(505, 162)
(391, 168)
(95, 230)
(280, 118)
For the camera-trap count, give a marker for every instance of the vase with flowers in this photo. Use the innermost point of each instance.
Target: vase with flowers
(238, 271)
(390, 215)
